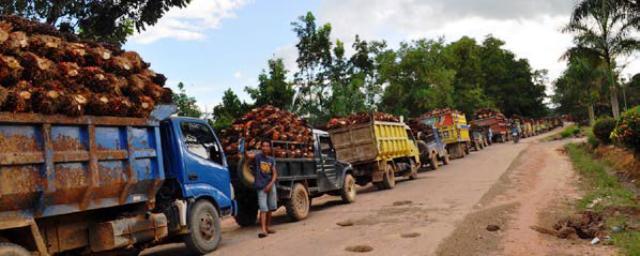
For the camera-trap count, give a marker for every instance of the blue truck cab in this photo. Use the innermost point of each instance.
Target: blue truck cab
(91, 185)
(432, 149)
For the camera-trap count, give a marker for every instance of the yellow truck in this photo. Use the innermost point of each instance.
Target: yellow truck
(454, 130)
(378, 151)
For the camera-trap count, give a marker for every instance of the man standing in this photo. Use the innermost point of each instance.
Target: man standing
(265, 179)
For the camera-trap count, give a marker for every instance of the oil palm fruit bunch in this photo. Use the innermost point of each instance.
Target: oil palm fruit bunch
(43, 70)
(289, 134)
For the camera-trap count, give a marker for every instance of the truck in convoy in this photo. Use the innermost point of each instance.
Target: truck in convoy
(90, 185)
(432, 149)
(299, 180)
(454, 130)
(478, 137)
(378, 151)
(494, 120)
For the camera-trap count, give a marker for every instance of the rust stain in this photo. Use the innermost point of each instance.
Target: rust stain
(18, 143)
(67, 143)
(70, 184)
(18, 187)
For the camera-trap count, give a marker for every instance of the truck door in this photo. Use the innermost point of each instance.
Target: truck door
(204, 159)
(328, 163)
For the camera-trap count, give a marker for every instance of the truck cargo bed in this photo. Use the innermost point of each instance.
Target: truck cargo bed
(54, 165)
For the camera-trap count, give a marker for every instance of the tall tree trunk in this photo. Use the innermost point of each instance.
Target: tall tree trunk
(613, 91)
(592, 114)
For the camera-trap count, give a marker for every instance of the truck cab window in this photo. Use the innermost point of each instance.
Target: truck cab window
(200, 141)
(326, 148)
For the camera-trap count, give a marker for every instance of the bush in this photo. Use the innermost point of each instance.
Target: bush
(602, 129)
(627, 130)
(592, 140)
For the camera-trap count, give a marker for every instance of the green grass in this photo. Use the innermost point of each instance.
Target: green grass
(600, 185)
(570, 131)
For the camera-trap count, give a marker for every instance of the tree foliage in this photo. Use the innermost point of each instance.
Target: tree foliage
(228, 110)
(106, 21)
(273, 87)
(603, 28)
(185, 103)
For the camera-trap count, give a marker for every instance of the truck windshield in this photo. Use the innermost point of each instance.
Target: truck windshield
(200, 141)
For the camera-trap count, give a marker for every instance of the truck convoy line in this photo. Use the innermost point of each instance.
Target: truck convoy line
(91, 185)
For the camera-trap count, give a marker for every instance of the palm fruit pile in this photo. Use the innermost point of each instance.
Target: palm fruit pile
(421, 130)
(486, 113)
(290, 135)
(360, 118)
(45, 71)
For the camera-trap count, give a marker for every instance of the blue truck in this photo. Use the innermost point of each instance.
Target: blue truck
(92, 185)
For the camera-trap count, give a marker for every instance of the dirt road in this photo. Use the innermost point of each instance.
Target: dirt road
(444, 212)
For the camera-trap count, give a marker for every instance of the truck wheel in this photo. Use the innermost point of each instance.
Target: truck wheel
(446, 160)
(299, 204)
(9, 249)
(247, 208)
(389, 179)
(434, 161)
(414, 170)
(204, 227)
(348, 192)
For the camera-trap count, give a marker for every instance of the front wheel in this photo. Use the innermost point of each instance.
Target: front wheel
(247, 208)
(299, 204)
(204, 227)
(434, 161)
(348, 192)
(9, 249)
(389, 180)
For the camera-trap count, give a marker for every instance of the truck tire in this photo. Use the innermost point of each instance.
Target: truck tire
(10, 249)
(299, 204)
(348, 192)
(434, 161)
(389, 179)
(247, 208)
(413, 174)
(204, 226)
(446, 159)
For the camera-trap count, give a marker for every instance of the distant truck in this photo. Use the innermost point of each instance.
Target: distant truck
(494, 120)
(299, 180)
(91, 185)
(378, 151)
(432, 149)
(454, 131)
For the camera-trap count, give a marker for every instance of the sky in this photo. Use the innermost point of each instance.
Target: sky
(214, 45)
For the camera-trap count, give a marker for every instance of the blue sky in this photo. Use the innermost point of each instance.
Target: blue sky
(228, 56)
(213, 45)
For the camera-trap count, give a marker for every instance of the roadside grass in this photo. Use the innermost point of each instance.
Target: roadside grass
(603, 192)
(569, 131)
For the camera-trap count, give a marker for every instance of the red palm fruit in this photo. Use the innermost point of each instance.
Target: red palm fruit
(74, 52)
(97, 56)
(120, 106)
(4, 93)
(136, 62)
(10, 70)
(136, 87)
(17, 101)
(38, 68)
(46, 101)
(98, 105)
(73, 104)
(142, 107)
(68, 69)
(16, 42)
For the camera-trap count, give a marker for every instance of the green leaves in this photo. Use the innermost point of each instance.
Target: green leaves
(185, 103)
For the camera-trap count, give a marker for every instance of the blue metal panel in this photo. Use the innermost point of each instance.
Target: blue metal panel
(54, 166)
(198, 190)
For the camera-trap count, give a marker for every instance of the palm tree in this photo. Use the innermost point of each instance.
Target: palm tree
(584, 77)
(603, 28)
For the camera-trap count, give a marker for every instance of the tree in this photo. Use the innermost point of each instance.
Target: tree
(314, 63)
(417, 77)
(107, 21)
(228, 110)
(604, 28)
(185, 103)
(273, 88)
(510, 82)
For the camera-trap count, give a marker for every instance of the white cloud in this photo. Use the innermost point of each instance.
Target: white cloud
(190, 23)
(288, 54)
(237, 75)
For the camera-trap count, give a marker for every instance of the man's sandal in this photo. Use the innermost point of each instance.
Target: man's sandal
(262, 235)
(271, 231)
